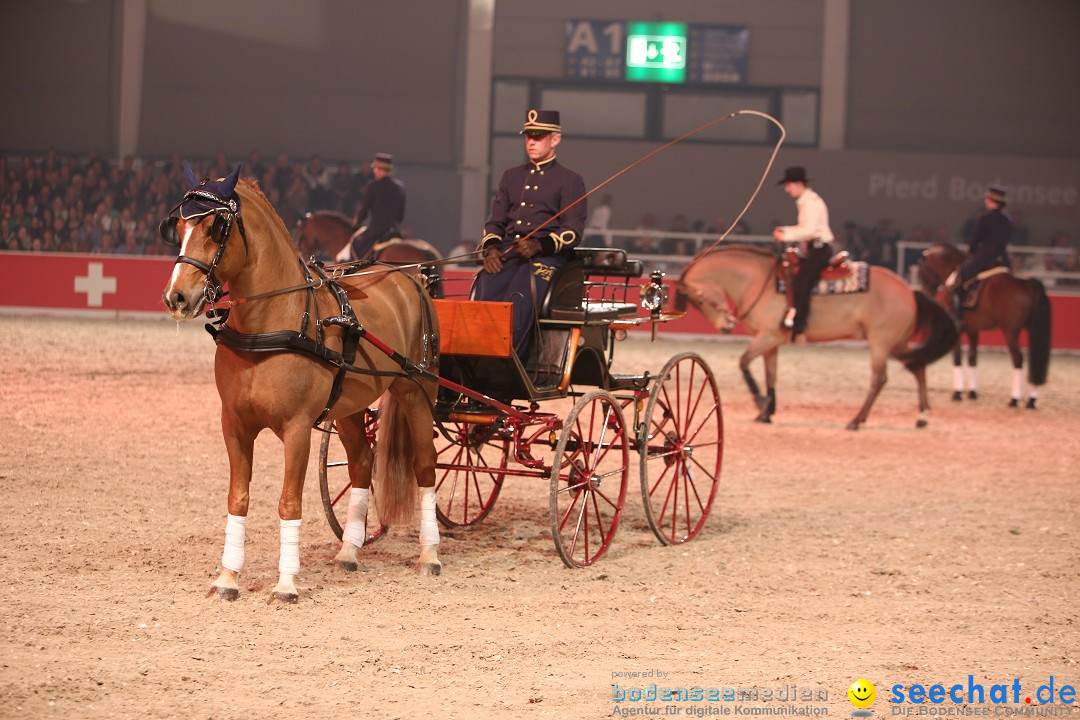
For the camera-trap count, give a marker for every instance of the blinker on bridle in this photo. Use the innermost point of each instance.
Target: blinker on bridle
(227, 212)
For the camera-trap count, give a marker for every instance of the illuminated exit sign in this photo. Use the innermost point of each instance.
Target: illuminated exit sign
(656, 52)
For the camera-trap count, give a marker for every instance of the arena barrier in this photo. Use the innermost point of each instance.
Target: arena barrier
(125, 285)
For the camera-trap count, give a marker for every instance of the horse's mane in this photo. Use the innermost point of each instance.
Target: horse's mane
(948, 250)
(253, 184)
(340, 218)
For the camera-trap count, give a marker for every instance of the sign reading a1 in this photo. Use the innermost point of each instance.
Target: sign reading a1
(656, 52)
(594, 49)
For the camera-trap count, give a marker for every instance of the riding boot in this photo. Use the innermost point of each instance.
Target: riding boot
(958, 305)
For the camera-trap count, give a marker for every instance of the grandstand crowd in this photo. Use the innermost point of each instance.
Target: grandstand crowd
(89, 204)
(92, 205)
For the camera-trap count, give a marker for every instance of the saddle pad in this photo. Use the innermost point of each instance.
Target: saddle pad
(856, 280)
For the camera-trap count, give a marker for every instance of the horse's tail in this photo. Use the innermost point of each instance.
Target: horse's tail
(394, 478)
(1038, 330)
(941, 333)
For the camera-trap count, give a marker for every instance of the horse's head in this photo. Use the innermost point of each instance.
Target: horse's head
(936, 264)
(701, 297)
(200, 227)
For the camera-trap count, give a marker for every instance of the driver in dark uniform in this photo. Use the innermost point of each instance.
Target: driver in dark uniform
(521, 248)
(987, 248)
(384, 201)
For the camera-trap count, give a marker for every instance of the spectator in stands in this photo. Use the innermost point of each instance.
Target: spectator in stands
(883, 239)
(1021, 234)
(132, 243)
(854, 242)
(677, 244)
(645, 241)
(317, 178)
(255, 167)
(1062, 250)
(598, 223)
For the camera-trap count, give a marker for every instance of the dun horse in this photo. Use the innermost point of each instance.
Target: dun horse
(281, 364)
(1004, 301)
(888, 315)
(324, 232)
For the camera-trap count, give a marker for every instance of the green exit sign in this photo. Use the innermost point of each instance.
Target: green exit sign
(656, 52)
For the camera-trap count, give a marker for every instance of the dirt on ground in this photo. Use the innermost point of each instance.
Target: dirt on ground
(942, 556)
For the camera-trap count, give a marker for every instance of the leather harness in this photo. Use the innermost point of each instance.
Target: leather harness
(299, 341)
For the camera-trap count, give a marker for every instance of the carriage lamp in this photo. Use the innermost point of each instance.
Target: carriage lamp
(654, 295)
(431, 281)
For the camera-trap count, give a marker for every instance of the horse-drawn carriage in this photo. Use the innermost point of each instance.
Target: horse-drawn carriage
(300, 344)
(672, 419)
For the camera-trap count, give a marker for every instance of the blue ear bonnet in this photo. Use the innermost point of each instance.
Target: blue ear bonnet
(208, 196)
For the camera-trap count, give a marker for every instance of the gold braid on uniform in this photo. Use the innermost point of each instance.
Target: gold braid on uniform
(490, 240)
(563, 240)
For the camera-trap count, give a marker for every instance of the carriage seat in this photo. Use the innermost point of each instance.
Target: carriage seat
(566, 294)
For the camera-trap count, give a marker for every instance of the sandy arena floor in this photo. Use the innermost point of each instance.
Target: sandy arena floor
(899, 555)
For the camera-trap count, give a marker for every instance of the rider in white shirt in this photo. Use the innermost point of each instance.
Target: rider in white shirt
(814, 237)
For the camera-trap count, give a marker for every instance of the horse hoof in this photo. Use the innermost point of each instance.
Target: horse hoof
(348, 565)
(957, 396)
(921, 423)
(1030, 404)
(763, 419)
(286, 598)
(1014, 403)
(431, 569)
(972, 395)
(223, 593)
(853, 425)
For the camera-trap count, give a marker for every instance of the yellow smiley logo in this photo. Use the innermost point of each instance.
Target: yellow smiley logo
(862, 693)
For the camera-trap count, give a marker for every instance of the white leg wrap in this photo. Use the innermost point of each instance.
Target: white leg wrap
(972, 377)
(1034, 392)
(1018, 382)
(235, 534)
(958, 378)
(429, 526)
(356, 525)
(289, 560)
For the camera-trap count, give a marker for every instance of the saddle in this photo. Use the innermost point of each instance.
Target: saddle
(383, 244)
(841, 275)
(973, 287)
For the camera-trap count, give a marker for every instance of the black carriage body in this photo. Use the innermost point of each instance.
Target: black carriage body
(575, 340)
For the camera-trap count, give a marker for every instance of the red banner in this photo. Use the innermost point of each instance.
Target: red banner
(124, 284)
(117, 283)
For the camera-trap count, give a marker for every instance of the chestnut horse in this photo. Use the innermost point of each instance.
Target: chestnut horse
(227, 232)
(323, 233)
(888, 315)
(1004, 301)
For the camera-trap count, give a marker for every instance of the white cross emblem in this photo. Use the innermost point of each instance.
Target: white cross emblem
(95, 284)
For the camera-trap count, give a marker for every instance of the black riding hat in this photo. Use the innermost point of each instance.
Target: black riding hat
(794, 174)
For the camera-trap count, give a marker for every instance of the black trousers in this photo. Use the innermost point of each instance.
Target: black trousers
(816, 259)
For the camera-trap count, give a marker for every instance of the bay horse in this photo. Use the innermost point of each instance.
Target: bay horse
(888, 315)
(323, 233)
(281, 363)
(1005, 301)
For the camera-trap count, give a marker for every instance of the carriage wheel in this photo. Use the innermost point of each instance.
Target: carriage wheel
(681, 448)
(466, 480)
(334, 482)
(588, 479)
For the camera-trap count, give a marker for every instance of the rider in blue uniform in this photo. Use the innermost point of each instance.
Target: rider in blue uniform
(987, 248)
(532, 229)
(384, 201)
